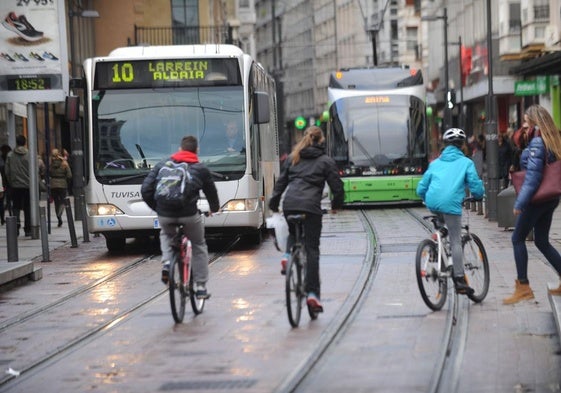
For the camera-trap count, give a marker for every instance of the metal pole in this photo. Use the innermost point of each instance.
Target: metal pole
(447, 113)
(44, 236)
(33, 170)
(491, 128)
(12, 238)
(461, 106)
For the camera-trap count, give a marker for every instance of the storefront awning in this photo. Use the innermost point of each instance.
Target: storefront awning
(549, 64)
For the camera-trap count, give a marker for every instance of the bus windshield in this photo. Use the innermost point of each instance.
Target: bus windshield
(135, 129)
(377, 131)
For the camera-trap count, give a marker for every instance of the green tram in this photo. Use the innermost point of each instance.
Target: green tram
(377, 133)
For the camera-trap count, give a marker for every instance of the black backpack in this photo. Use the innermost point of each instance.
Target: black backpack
(174, 183)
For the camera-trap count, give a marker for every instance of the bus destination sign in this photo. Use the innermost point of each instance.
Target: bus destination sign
(138, 74)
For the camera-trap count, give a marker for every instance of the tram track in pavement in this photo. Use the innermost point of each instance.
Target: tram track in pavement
(446, 373)
(344, 317)
(62, 344)
(446, 368)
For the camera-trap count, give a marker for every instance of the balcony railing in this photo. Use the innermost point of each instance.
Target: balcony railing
(184, 35)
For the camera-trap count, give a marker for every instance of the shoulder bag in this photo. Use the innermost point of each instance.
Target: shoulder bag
(550, 187)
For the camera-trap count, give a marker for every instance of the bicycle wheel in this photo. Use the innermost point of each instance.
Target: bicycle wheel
(433, 284)
(177, 293)
(293, 288)
(476, 266)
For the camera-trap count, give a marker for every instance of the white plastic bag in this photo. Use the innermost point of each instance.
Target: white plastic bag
(278, 223)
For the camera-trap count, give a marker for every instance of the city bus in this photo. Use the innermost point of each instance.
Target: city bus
(377, 133)
(141, 101)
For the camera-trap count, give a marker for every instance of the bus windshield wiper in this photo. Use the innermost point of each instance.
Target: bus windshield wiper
(126, 178)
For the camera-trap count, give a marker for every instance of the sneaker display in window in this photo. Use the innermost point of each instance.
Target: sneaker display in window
(49, 56)
(36, 56)
(21, 26)
(7, 57)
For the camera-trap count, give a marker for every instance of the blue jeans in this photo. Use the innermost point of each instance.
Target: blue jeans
(538, 217)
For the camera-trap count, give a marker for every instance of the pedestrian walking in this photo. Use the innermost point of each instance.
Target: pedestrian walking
(59, 175)
(544, 146)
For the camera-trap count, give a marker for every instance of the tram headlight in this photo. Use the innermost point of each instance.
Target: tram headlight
(238, 205)
(96, 209)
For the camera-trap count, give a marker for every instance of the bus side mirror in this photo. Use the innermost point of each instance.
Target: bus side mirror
(72, 108)
(261, 112)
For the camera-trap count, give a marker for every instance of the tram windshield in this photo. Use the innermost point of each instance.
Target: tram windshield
(135, 129)
(378, 131)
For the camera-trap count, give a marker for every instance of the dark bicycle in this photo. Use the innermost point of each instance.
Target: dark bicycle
(296, 273)
(181, 283)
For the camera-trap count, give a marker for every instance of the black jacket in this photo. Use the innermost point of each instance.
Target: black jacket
(305, 181)
(201, 180)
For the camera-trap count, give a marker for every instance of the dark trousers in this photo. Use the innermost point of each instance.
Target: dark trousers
(312, 231)
(20, 201)
(539, 218)
(59, 195)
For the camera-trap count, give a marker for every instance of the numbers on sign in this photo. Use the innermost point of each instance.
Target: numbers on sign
(123, 72)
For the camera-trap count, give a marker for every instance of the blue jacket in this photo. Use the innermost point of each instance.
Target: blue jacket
(532, 159)
(443, 186)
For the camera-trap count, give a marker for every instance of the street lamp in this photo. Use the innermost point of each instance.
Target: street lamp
(447, 114)
(77, 158)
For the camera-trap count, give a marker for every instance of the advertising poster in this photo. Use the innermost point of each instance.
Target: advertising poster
(33, 51)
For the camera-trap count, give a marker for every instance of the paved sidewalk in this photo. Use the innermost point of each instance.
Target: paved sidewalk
(29, 250)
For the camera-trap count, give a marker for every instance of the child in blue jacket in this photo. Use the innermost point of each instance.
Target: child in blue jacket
(443, 189)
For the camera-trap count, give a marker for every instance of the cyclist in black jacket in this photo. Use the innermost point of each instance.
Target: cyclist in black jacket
(303, 176)
(188, 215)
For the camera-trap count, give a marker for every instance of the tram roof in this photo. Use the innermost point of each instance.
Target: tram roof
(375, 78)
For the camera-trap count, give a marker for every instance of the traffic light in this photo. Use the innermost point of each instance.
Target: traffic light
(451, 99)
(300, 123)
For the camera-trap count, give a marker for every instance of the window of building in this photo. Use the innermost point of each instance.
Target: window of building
(185, 13)
(411, 38)
(514, 21)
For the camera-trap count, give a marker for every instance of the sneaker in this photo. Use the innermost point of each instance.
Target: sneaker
(49, 56)
(462, 286)
(284, 262)
(165, 272)
(313, 303)
(36, 56)
(20, 56)
(21, 26)
(7, 57)
(200, 291)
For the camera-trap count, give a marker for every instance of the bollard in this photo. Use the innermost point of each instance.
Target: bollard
(44, 236)
(85, 232)
(12, 238)
(71, 227)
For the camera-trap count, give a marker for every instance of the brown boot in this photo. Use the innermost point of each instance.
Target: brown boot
(556, 291)
(521, 292)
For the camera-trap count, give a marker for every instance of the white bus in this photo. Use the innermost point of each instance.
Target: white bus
(140, 102)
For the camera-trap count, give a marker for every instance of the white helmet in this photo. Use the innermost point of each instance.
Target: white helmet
(454, 135)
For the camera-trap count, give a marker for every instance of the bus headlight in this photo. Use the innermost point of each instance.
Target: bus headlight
(103, 210)
(238, 205)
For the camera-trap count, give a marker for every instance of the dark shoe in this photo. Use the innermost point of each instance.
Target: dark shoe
(201, 292)
(313, 303)
(165, 272)
(59, 222)
(462, 286)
